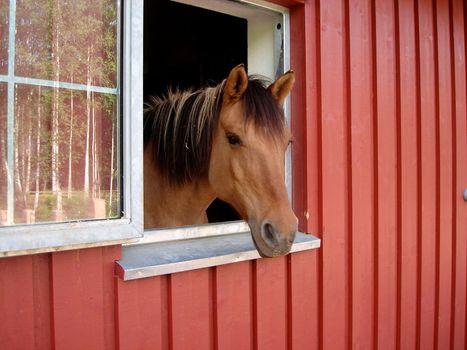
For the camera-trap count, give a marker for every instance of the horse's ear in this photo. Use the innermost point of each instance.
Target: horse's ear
(282, 86)
(236, 84)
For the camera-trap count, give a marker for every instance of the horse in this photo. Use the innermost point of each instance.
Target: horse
(228, 142)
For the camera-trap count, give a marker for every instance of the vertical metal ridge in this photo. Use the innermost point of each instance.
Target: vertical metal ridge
(214, 315)
(298, 124)
(117, 320)
(320, 170)
(348, 217)
(438, 171)
(254, 305)
(11, 112)
(288, 295)
(53, 340)
(454, 174)
(465, 73)
(170, 330)
(164, 312)
(51, 300)
(108, 254)
(375, 172)
(399, 173)
(419, 174)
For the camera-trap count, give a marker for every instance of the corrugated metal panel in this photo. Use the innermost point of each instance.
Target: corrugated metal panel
(62, 300)
(385, 115)
(380, 150)
(459, 257)
(25, 302)
(248, 305)
(428, 146)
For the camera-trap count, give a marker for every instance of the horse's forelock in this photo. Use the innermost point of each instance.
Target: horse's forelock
(261, 108)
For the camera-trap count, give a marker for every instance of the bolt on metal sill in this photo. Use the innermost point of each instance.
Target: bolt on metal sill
(148, 259)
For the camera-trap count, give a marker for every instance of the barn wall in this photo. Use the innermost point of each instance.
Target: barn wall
(62, 300)
(380, 162)
(384, 167)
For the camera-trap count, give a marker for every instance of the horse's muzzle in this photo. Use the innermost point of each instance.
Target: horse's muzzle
(273, 241)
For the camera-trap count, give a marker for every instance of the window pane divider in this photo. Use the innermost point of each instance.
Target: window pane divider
(11, 111)
(57, 84)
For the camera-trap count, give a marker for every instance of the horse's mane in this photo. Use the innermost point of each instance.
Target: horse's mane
(179, 126)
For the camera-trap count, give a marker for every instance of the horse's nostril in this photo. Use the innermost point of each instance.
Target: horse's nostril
(292, 238)
(269, 233)
(273, 239)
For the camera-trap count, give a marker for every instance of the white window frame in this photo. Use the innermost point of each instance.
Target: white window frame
(47, 237)
(167, 234)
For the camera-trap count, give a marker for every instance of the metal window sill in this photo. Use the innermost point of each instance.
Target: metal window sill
(145, 259)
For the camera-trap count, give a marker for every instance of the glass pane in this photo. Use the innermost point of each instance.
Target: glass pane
(69, 41)
(65, 155)
(4, 36)
(3, 153)
(64, 161)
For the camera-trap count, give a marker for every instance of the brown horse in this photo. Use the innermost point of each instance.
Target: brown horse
(228, 142)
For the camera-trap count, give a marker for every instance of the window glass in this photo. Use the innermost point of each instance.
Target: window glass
(70, 41)
(64, 166)
(3, 152)
(59, 121)
(4, 36)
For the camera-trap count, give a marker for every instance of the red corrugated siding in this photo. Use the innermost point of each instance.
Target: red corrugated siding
(61, 300)
(380, 163)
(385, 83)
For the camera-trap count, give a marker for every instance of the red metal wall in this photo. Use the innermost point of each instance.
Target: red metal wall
(380, 163)
(384, 86)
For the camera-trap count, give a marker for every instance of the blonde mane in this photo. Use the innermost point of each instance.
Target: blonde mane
(179, 126)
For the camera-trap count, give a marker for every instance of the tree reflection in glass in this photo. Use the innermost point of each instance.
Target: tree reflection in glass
(65, 145)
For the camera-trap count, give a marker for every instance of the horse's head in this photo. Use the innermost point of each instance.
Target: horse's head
(247, 167)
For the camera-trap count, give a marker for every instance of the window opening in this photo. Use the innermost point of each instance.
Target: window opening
(173, 249)
(191, 44)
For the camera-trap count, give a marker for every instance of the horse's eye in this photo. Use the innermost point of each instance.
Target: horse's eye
(233, 139)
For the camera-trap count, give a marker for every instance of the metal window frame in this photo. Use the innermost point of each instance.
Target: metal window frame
(167, 234)
(47, 237)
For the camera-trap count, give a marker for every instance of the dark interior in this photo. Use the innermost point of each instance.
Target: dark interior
(186, 46)
(190, 47)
